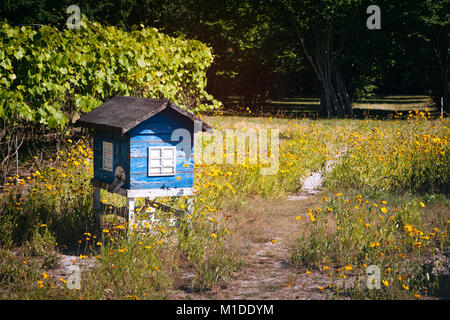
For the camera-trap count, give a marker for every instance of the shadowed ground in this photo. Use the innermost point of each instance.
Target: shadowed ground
(381, 105)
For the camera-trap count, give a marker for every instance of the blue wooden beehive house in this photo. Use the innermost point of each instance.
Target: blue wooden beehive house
(143, 147)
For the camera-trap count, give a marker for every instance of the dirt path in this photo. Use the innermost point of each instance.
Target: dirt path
(268, 231)
(267, 272)
(265, 232)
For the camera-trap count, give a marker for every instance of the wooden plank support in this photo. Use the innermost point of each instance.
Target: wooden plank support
(165, 207)
(112, 209)
(103, 185)
(131, 195)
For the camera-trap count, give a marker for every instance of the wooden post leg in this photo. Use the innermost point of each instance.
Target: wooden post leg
(190, 205)
(131, 216)
(97, 208)
(190, 208)
(151, 216)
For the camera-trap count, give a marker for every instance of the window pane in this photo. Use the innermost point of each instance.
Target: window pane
(168, 162)
(167, 153)
(155, 170)
(167, 170)
(155, 153)
(107, 155)
(107, 146)
(155, 163)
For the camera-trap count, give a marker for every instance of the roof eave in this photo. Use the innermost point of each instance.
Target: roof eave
(205, 126)
(124, 129)
(99, 126)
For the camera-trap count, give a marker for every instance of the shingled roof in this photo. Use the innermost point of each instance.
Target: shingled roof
(120, 114)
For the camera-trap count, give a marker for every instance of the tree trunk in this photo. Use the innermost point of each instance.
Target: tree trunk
(335, 101)
(439, 40)
(444, 84)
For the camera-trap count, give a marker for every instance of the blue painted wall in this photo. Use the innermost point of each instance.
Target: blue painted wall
(121, 151)
(131, 152)
(157, 131)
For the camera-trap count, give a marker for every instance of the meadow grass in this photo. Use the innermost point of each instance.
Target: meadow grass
(51, 211)
(387, 206)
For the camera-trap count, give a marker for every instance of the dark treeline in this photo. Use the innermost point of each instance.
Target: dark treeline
(280, 48)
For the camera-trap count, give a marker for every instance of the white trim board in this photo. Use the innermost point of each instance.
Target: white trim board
(173, 192)
(143, 193)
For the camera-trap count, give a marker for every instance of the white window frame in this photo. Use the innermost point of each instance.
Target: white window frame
(161, 157)
(107, 156)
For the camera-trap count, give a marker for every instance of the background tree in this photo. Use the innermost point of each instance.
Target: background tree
(288, 48)
(435, 15)
(322, 28)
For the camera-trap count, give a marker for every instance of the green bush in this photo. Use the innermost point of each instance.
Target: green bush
(50, 76)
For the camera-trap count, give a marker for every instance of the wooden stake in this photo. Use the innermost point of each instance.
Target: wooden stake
(131, 216)
(97, 208)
